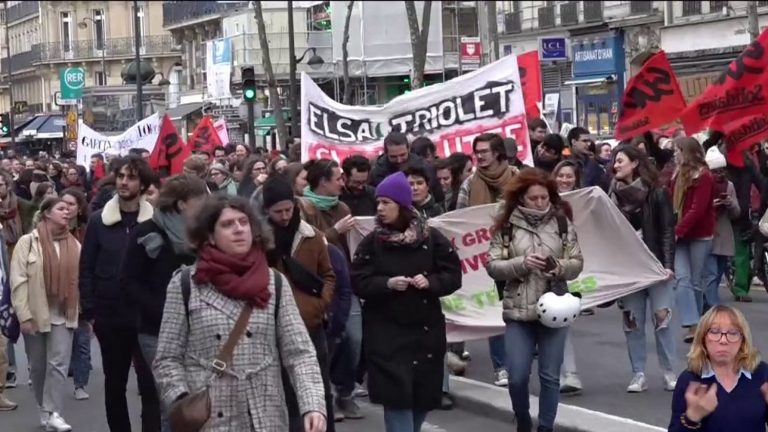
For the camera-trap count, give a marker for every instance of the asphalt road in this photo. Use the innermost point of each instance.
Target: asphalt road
(603, 363)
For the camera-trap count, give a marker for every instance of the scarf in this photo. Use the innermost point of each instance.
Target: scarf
(322, 202)
(629, 198)
(486, 185)
(534, 217)
(60, 270)
(240, 278)
(416, 232)
(172, 223)
(284, 236)
(10, 218)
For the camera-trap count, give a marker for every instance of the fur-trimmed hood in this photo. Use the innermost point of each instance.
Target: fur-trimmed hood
(110, 214)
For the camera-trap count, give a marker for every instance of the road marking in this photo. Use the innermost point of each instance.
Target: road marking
(607, 416)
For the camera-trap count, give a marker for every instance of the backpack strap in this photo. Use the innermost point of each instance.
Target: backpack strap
(186, 289)
(278, 292)
(562, 229)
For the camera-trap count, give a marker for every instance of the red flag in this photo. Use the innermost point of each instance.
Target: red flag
(530, 78)
(742, 134)
(204, 138)
(740, 91)
(652, 99)
(170, 151)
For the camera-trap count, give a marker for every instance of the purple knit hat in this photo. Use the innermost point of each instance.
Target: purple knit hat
(395, 187)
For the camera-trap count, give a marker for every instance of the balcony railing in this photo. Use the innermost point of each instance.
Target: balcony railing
(178, 12)
(115, 47)
(22, 10)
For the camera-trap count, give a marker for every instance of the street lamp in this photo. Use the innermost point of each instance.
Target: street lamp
(82, 25)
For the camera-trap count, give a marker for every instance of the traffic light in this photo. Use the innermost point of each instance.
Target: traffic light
(5, 124)
(248, 78)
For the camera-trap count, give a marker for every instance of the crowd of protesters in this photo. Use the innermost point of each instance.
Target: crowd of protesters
(159, 269)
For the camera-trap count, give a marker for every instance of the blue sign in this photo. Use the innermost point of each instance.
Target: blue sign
(222, 51)
(553, 48)
(602, 55)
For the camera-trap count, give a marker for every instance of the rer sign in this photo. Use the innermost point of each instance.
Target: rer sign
(72, 81)
(553, 48)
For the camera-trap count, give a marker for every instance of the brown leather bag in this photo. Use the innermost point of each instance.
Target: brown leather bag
(190, 413)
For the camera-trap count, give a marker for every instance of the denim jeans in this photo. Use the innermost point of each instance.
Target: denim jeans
(347, 356)
(661, 297)
(690, 257)
(497, 351)
(403, 420)
(80, 363)
(11, 358)
(522, 338)
(148, 347)
(714, 270)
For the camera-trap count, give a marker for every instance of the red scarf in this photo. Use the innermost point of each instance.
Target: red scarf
(242, 278)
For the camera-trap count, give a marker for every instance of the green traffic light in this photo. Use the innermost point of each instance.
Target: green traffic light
(249, 94)
(4, 129)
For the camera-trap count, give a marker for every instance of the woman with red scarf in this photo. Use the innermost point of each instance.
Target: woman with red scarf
(231, 276)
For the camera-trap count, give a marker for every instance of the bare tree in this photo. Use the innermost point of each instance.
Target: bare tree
(277, 106)
(419, 37)
(345, 56)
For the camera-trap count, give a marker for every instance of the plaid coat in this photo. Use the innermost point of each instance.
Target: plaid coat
(248, 396)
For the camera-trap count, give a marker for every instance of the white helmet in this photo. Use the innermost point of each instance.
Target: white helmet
(558, 310)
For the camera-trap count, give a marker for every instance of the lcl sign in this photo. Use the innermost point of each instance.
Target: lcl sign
(553, 48)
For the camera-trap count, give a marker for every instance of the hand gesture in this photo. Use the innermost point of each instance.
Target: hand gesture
(345, 224)
(261, 178)
(314, 422)
(420, 282)
(701, 400)
(398, 283)
(535, 262)
(29, 327)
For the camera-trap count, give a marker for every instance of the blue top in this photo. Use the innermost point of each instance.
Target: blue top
(743, 409)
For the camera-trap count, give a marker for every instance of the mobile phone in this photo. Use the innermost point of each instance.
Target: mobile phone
(550, 264)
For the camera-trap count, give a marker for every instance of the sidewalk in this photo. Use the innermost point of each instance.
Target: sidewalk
(489, 400)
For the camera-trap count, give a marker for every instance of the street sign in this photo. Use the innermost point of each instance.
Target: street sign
(72, 81)
(469, 54)
(553, 48)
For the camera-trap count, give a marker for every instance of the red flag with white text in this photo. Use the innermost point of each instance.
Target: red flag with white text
(170, 150)
(530, 78)
(740, 91)
(204, 138)
(742, 134)
(652, 99)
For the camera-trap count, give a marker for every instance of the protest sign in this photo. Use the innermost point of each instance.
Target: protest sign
(170, 151)
(530, 76)
(451, 114)
(141, 135)
(740, 91)
(204, 138)
(610, 271)
(652, 99)
(221, 131)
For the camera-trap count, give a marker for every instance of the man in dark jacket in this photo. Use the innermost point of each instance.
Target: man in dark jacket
(396, 156)
(104, 302)
(357, 194)
(549, 153)
(592, 174)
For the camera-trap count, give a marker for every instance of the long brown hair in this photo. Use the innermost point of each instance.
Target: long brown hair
(688, 169)
(518, 187)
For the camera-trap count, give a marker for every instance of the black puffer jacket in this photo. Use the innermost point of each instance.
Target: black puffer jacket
(429, 209)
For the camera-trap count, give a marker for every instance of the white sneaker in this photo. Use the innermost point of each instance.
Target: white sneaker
(570, 383)
(81, 394)
(360, 391)
(500, 378)
(455, 364)
(638, 384)
(670, 381)
(43, 417)
(57, 424)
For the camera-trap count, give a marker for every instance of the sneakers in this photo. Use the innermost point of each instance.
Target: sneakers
(360, 391)
(338, 416)
(7, 405)
(670, 381)
(57, 424)
(742, 299)
(348, 408)
(570, 384)
(638, 384)
(10, 380)
(80, 394)
(466, 356)
(500, 378)
(455, 364)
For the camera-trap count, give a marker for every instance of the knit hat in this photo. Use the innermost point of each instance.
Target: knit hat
(220, 168)
(715, 159)
(554, 142)
(275, 190)
(395, 187)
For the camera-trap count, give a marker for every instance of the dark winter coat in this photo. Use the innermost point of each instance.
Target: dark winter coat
(382, 168)
(429, 209)
(360, 204)
(658, 226)
(146, 279)
(338, 313)
(404, 331)
(106, 238)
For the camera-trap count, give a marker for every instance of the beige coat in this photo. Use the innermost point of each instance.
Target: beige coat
(524, 286)
(28, 293)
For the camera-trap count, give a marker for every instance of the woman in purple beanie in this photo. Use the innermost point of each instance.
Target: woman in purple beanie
(401, 270)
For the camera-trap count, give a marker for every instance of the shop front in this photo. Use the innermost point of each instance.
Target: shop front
(598, 80)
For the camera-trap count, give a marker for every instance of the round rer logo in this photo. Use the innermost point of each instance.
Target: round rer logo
(74, 78)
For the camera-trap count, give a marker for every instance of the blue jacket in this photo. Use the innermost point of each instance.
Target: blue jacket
(338, 313)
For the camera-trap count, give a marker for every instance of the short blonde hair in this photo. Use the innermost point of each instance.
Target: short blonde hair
(747, 357)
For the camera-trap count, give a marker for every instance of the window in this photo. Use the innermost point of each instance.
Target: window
(762, 3)
(140, 16)
(99, 33)
(717, 6)
(99, 78)
(691, 8)
(66, 31)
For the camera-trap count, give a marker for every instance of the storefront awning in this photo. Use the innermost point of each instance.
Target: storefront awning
(180, 111)
(590, 80)
(45, 126)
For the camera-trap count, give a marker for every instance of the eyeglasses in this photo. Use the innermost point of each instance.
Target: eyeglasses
(482, 151)
(716, 335)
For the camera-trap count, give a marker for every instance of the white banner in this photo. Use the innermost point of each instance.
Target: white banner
(219, 68)
(610, 272)
(451, 114)
(141, 135)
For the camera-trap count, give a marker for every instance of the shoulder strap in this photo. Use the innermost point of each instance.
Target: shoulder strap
(278, 292)
(186, 290)
(562, 229)
(226, 350)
